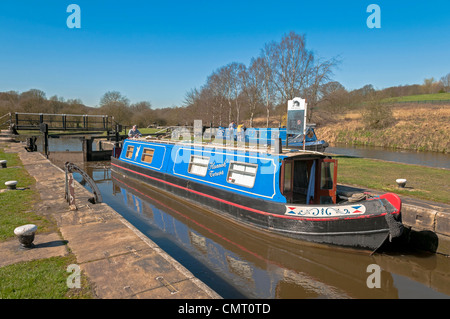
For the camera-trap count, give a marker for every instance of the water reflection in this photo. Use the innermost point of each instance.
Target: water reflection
(239, 262)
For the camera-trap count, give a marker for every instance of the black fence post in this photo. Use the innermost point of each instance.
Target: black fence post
(64, 120)
(44, 129)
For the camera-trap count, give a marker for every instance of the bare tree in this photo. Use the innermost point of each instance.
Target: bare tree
(111, 97)
(229, 77)
(217, 86)
(445, 80)
(142, 113)
(282, 71)
(291, 65)
(253, 85)
(294, 70)
(33, 101)
(141, 106)
(223, 77)
(237, 70)
(268, 83)
(319, 75)
(9, 102)
(333, 96)
(115, 104)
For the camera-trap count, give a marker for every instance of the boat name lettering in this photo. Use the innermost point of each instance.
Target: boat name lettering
(325, 211)
(213, 174)
(213, 166)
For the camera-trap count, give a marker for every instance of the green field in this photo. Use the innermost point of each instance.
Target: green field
(419, 98)
(422, 182)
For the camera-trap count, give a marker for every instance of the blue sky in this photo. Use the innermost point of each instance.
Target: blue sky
(158, 50)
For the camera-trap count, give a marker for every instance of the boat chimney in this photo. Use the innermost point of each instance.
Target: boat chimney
(278, 146)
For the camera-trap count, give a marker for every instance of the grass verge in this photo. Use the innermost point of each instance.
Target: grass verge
(16, 207)
(422, 182)
(41, 279)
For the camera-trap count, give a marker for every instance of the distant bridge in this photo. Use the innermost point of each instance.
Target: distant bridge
(61, 122)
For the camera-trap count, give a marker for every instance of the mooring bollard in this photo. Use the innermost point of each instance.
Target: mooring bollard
(11, 184)
(25, 235)
(401, 182)
(3, 163)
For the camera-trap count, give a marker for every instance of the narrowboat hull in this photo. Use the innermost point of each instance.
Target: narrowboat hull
(332, 224)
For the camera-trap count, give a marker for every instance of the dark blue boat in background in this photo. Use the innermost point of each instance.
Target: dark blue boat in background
(289, 192)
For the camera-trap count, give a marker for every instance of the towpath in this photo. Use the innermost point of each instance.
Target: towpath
(120, 262)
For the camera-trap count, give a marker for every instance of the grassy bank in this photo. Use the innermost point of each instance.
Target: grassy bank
(43, 278)
(423, 182)
(419, 98)
(16, 207)
(420, 127)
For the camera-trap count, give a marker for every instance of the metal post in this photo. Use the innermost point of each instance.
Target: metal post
(278, 146)
(118, 130)
(44, 129)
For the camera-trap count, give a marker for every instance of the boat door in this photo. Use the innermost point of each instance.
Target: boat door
(294, 179)
(287, 180)
(326, 175)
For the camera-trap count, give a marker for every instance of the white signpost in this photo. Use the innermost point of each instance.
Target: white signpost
(296, 118)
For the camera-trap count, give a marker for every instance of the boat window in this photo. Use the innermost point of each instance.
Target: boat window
(129, 152)
(198, 165)
(326, 178)
(242, 174)
(147, 155)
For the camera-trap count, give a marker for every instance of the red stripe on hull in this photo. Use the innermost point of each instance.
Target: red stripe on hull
(241, 206)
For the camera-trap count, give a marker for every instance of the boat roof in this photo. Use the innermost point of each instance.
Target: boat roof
(285, 152)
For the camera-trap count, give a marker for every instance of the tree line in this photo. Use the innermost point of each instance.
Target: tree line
(237, 92)
(283, 70)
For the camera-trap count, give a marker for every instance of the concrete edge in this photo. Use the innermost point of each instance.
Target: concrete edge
(429, 229)
(169, 258)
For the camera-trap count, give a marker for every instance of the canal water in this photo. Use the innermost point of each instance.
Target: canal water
(238, 262)
(432, 159)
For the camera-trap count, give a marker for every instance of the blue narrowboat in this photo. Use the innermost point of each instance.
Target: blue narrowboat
(290, 192)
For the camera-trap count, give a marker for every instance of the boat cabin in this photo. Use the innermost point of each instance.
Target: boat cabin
(292, 176)
(309, 179)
